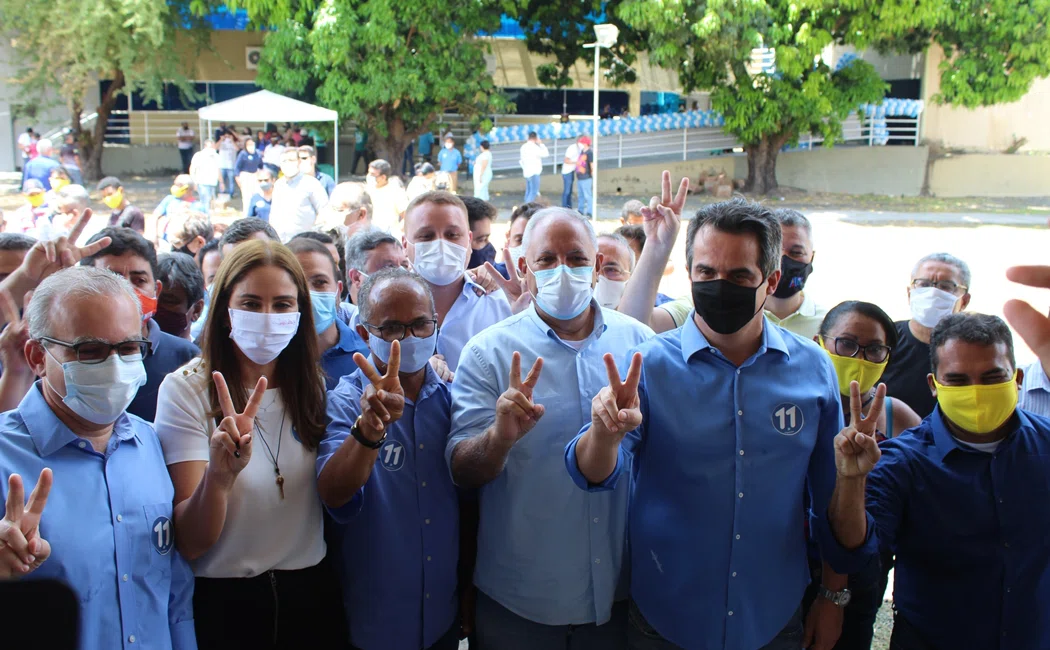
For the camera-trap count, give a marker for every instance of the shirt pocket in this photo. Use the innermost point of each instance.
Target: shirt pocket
(160, 538)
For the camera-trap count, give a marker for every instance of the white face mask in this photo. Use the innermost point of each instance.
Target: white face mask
(290, 169)
(449, 145)
(262, 337)
(440, 262)
(565, 291)
(608, 292)
(370, 180)
(930, 305)
(516, 253)
(100, 392)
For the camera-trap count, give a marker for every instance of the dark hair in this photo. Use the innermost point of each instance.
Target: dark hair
(478, 209)
(386, 276)
(738, 216)
(124, 240)
(299, 244)
(15, 241)
(633, 233)
(486, 146)
(108, 181)
(302, 384)
(872, 311)
(180, 270)
(980, 329)
(422, 169)
(322, 237)
(267, 171)
(211, 247)
(533, 134)
(526, 210)
(244, 229)
(381, 166)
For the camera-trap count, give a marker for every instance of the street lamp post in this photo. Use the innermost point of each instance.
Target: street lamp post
(605, 36)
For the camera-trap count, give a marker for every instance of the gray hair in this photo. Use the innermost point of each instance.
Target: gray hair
(550, 213)
(364, 242)
(621, 240)
(740, 216)
(350, 196)
(76, 281)
(946, 258)
(381, 166)
(793, 218)
(74, 195)
(382, 278)
(44, 146)
(633, 206)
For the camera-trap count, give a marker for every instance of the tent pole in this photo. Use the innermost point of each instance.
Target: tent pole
(335, 151)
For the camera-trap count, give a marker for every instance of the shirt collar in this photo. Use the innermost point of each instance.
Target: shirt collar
(49, 434)
(693, 339)
(347, 337)
(806, 309)
(944, 442)
(1036, 377)
(155, 335)
(599, 321)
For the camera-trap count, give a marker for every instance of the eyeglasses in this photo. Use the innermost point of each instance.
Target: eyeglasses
(91, 352)
(943, 285)
(304, 157)
(422, 328)
(615, 273)
(874, 353)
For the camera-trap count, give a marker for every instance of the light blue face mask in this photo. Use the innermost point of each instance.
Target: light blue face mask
(324, 308)
(100, 392)
(564, 291)
(415, 353)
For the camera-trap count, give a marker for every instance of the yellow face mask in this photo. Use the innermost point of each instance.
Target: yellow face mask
(979, 408)
(36, 199)
(114, 200)
(858, 369)
(179, 191)
(58, 183)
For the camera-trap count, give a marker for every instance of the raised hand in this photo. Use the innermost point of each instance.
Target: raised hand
(516, 289)
(615, 410)
(1033, 326)
(663, 216)
(47, 257)
(383, 401)
(856, 450)
(22, 549)
(231, 444)
(13, 337)
(515, 412)
(480, 277)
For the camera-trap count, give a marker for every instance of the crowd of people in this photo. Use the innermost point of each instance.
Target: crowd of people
(533, 449)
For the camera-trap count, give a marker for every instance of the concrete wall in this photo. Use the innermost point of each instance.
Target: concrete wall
(996, 175)
(894, 171)
(140, 160)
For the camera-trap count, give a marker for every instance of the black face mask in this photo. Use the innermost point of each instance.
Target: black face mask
(185, 250)
(479, 257)
(793, 276)
(724, 306)
(172, 322)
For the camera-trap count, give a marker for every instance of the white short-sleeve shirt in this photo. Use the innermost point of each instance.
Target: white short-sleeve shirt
(262, 531)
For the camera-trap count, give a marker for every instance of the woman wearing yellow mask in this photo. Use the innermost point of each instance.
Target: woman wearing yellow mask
(859, 337)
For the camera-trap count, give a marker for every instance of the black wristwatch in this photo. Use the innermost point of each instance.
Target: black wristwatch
(837, 598)
(355, 431)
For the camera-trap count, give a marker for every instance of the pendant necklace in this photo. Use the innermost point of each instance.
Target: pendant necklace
(276, 468)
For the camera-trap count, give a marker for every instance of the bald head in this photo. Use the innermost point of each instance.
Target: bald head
(557, 236)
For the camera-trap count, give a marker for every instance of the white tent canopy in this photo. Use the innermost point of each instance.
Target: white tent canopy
(265, 106)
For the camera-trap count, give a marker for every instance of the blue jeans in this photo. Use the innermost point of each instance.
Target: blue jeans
(532, 187)
(642, 636)
(206, 194)
(228, 179)
(583, 190)
(566, 189)
(498, 628)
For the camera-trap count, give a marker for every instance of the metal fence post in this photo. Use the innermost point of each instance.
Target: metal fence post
(685, 143)
(555, 164)
(145, 117)
(871, 131)
(619, 150)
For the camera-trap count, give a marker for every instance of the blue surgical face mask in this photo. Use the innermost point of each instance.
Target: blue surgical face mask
(565, 291)
(100, 392)
(324, 308)
(415, 352)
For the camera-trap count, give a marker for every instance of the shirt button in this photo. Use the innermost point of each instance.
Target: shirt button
(738, 536)
(423, 484)
(739, 412)
(420, 445)
(597, 560)
(741, 495)
(595, 520)
(427, 596)
(81, 444)
(734, 574)
(428, 558)
(738, 371)
(1006, 544)
(741, 452)
(426, 521)
(125, 577)
(131, 639)
(119, 518)
(1008, 590)
(730, 612)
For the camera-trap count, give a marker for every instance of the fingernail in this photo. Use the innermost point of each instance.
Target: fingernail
(30, 559)
(25, 568)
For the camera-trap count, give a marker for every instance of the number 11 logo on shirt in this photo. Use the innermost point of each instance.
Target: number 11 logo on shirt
(787, 419)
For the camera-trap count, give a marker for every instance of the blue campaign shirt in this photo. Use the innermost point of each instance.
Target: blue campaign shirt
(259, 206)
(165, 205)
(247, 162)
(970, 530)
(720, 463)
(449, 160)
(546, 550)
(473, 311)
(338, 360)
(327, 182)
(400, 545)
(166, 354)
(426, 143)
(109, 522)
(39, 168)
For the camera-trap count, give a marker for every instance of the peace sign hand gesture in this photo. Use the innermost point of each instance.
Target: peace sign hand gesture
(22, 549)
(515, 412)
(516, 289)
(856, 450)
(383, 401)
(615, 410)
(47, 257)
(13, 337)
(231, 444)
(663, 217)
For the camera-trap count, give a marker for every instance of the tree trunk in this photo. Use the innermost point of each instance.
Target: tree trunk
(762, 164)
(94, 145)
(391, 150)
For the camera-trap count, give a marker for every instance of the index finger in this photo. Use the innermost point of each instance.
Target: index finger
(393, 364)
(876, 407)
(7, 304)
(634, 374)
(534, 374)
(612, 371)
(16, 499)
(683, 192)
(91, 249)
(1033, 327)
(366, 367)
(854, 404)
(515, 371)
(665, 187)
(508, 260)
(1033, 276)
(79, 226)
(38, 497)
(223, 392)
(497, 276)
(252, 407)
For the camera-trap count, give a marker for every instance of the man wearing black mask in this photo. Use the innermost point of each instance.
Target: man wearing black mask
(480, 215)
(790, 306)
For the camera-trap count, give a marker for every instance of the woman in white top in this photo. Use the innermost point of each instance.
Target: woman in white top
(247, 513)
(483, 172)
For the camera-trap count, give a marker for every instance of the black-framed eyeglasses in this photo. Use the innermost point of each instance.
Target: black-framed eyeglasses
(421, 329)
(943, 285)
(91, 352)
(875, 352)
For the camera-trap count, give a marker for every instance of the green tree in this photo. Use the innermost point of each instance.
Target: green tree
(392, 66)
(67, 47)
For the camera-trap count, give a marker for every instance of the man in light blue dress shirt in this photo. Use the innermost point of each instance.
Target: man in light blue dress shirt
(1035, 390)
(549, 555)
(105, 529)
(737, 416)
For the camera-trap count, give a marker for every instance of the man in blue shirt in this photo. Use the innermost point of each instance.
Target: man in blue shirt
(963, 500)
(259, 203)
(338, 342)
(549, 555)
(105, 529)
(130, 255)
(449, 160)
(39, 168)
(738, 415)
(308, 166)
(387, 481)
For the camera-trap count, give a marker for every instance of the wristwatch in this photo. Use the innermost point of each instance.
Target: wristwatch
(355, 431)
(837, 598)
